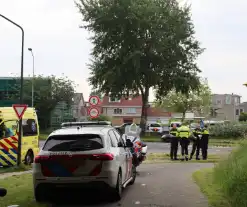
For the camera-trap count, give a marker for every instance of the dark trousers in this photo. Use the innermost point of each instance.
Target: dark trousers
(204, 146)
(174, 148)
(195, 148)
(184, 142)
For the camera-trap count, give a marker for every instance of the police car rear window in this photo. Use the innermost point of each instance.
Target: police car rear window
(73, 143)
(154, 125)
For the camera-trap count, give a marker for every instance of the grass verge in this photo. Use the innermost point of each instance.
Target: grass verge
(43, 136)
(204, 179)
(20, 191)
(15, 169)
(165, 158)
(225, 185)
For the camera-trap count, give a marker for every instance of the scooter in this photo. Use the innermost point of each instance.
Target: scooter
(132, 134)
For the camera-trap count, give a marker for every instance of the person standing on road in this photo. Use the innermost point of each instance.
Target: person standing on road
(196, 143)
(184, 134)
(174, 142)
(204, 142)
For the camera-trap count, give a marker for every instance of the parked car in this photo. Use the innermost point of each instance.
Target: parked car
(155, 127)
(90, 156)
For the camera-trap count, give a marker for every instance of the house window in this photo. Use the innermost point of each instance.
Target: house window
(218, 102)
(237, 112)
(111, 99)
(131, 110)
(241, 111)
(117, 111)
(228, 99)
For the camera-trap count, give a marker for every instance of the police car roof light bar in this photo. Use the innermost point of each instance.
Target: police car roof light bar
(88, 123)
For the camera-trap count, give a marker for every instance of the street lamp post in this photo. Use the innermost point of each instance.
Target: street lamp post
(21, 87)
(31, 50)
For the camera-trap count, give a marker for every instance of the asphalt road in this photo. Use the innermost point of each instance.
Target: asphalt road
(157, 185)
(160, 147)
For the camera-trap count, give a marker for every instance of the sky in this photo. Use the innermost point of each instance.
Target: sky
(61, 48)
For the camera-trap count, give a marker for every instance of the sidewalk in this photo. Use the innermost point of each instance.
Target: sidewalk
(9, 174)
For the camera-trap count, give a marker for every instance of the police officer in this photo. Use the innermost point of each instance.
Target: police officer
(196, 143)
(184, 134)
(204, 142)
(174, 142)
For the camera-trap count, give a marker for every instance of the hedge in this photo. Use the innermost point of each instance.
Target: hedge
(229, 130)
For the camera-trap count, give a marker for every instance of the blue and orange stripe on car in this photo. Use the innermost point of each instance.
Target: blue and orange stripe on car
(57, 169)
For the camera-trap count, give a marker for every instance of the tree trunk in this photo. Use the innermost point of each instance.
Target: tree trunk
(145, 96)
(183, 116)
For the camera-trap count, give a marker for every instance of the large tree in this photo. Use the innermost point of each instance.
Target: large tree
(48, 92)
(97, 93)
(141, 44)
(194, 101)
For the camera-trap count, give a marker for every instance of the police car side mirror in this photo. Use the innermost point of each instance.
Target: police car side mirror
(3, 192)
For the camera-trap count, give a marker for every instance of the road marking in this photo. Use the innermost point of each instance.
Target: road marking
(143, 184)
(137, 202)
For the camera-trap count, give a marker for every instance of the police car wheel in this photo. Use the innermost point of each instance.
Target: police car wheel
(39, 195)
(119, 187)
(133, 175)
(29, 158)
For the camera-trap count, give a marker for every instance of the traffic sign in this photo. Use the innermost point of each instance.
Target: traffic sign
(201, 124)
(93, 112)
(19, 109)
(94, 100)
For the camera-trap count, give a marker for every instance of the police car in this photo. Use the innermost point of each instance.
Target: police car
(88, 156)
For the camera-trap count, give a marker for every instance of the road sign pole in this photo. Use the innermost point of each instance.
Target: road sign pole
(19, 110)
(19, 143)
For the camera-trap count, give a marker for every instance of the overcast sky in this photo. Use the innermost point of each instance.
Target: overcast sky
(60, 47)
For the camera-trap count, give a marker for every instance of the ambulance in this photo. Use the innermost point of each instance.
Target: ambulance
(9, 136)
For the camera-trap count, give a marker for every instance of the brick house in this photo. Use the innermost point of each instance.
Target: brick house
(122, 110)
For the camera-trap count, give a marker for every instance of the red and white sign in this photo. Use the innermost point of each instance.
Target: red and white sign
(20, 109)
(93, 112)
(94, 100)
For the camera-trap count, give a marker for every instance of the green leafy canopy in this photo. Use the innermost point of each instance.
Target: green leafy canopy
(48, 92)
(141, 44)
(194, 101)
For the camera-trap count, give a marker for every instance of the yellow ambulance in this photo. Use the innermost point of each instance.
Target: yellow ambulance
(9, 136)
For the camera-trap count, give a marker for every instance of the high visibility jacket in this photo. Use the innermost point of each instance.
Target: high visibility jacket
(184, 132)
(196, 132)
(205, 131)
(174, 132)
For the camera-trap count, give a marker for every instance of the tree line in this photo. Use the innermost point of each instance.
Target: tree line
(48, 92)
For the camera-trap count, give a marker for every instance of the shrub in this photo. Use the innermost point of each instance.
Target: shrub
(231, 177)
(229, 130)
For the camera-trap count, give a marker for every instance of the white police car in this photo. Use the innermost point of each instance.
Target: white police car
(91, 156)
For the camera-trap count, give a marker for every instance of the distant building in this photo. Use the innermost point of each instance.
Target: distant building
(7, 90)
(66, 113)
(227, 107)
(126, 110)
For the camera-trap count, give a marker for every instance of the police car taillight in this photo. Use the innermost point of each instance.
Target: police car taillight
(102, 157)
(40, 158)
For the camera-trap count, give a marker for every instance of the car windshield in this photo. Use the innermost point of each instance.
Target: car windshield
(73, 143)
